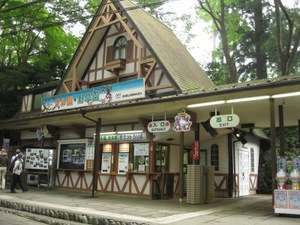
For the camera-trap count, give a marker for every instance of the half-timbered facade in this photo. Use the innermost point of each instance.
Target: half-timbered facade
(124, 44)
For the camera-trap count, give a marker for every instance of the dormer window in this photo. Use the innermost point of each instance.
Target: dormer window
(120, 48)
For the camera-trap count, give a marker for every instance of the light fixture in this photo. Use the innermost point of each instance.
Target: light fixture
(249, 99)
(130, 132)
(206, 104)
(108, 133)
(284, 95)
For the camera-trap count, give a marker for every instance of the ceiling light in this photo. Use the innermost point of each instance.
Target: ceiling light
(108, 133)
(284, 95)
(130, 132)
(256, 98)
(206, 104)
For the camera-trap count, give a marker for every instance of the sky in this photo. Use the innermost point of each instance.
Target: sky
(199, 40)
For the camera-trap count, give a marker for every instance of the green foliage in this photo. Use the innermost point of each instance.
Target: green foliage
(34, 46)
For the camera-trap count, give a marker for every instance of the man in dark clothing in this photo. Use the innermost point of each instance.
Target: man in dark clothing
(17, 171)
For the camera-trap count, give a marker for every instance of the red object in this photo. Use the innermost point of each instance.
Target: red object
(196, 150)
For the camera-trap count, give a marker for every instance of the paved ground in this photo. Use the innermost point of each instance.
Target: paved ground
(10, 219)
(244, 211)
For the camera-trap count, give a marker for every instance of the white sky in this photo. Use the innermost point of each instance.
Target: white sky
(202, 42)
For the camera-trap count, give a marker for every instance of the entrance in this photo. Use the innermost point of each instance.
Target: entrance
(244, 172)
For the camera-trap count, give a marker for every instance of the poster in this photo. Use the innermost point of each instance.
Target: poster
(294, 199)
(37, 158)
(72, 156)
(123, 163)
(281, 199)
(141, 149)
(106, 162)
(127, 90)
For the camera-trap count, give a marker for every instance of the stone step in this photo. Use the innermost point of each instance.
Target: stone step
(74, 214)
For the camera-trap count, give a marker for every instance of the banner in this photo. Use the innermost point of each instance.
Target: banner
(128, 90)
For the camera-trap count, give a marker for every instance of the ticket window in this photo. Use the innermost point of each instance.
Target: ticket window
(161, 158)
(106, 165)
(123, 158)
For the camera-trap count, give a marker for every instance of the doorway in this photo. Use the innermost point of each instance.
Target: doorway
(244, 172)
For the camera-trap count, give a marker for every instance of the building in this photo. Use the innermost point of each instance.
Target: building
(129, 72)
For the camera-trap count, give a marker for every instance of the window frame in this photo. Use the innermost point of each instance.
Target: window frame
(215, 156)
(120, 48)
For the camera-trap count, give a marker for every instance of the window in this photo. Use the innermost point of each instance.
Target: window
(215, 156)
(141, 157)
(161, 158)
(120, 48)
(123, 158)
(252, 160)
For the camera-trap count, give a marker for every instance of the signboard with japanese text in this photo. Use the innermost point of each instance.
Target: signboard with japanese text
(159, 126)
(127, 90)
(196, 150)
(224, 121)
(128, 137)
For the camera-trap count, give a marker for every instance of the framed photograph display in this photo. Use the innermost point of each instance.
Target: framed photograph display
(38, 158)
(72, 154)
(141, 157)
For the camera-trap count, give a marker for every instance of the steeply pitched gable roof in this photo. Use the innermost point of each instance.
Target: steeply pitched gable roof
(164, 45)
(176, 59)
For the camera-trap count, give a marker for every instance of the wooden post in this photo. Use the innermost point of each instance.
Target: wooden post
(97, 157)
(299, 133)
(181, 174)
(281, 130)
(230, 166)
(273, 144)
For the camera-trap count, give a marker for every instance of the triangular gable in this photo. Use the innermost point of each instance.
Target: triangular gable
(155, 60)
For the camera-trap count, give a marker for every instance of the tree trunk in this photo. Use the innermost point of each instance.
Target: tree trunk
(233, 75)
(259, 33)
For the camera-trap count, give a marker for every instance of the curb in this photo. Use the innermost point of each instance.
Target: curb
(38, 218)
(63, 214)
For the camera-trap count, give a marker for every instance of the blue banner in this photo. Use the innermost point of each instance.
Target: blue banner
(123, 91)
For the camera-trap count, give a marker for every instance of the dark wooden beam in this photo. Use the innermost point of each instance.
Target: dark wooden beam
(273, 144)
(281, 130)
(181, 174)
(230, 166)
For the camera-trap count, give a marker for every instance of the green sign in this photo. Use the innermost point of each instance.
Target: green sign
(126, 137)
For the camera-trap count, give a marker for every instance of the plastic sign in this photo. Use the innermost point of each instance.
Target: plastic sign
(159, 126)
(224, 121)
(182, 122)
(196, 151)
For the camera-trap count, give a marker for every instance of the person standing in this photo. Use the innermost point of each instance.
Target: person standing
(17, 171)
(18, 151)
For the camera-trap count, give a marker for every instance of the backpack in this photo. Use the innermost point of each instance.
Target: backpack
(12, 164)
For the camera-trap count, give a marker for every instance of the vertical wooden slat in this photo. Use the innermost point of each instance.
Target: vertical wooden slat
(181, 174)
(273, 145)
(281, 130)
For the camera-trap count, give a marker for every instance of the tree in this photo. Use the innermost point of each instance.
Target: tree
(218, 11)
(34, 46)
(287, 22)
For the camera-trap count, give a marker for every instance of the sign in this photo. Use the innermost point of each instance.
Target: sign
(129, 137)
(38, 158)
(123, 163)
(224, 121)
(127, 90)
(141, 149)
(182, 122)
(159, 126)
(196, 151)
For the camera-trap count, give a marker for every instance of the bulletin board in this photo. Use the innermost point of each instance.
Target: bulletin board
(37, 158)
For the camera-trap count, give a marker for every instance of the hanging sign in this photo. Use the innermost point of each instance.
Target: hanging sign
(159, 126)
(224, 121)
(196, 151)
(122, 91)
(182, 122)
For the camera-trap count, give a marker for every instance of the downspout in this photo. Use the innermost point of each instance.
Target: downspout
(97, 152)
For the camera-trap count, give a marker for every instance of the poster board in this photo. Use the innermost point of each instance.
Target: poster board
(123, 162)
(72, 154)
(38, 158)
